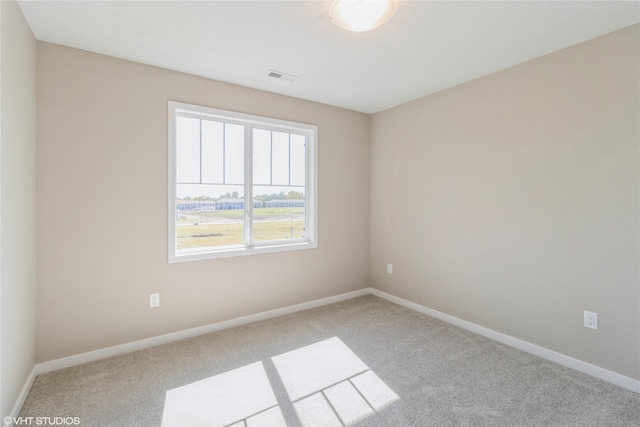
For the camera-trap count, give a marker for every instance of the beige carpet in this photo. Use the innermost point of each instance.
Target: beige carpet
(340, 363)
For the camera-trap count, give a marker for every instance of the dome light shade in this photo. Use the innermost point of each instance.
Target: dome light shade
(361, 15)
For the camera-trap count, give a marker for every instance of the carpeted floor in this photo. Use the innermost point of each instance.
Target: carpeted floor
(441, 374)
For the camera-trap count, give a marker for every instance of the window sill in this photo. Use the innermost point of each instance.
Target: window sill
(229, 252)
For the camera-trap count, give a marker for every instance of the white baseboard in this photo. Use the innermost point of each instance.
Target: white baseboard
(67, 362)
(561, 359)
(17, 407)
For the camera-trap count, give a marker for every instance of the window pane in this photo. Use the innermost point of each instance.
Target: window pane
(209, 216)
(261, 156)
(280, 158)
(208, 212)
(278, 213)
(298, 160)
(234, 154)
(187, 149)
(212, 152)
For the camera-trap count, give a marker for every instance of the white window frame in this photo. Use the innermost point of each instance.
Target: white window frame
(249, 121)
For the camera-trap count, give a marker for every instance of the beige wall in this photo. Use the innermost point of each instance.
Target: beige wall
(512, 201)
(102, 207)
(17, 203)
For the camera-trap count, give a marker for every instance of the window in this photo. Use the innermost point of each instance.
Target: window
(239, 184)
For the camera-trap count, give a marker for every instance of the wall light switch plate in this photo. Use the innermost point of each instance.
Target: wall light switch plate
(390, 268)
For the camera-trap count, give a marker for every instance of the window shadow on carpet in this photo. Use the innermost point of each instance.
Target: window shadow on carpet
(326, 382)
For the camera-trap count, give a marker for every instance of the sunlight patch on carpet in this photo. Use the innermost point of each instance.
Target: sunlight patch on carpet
(326, 382)
(317, 366)
(221, 400)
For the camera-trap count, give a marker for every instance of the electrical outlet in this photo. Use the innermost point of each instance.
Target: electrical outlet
(390, 268)
(154, 300)
(591, 320)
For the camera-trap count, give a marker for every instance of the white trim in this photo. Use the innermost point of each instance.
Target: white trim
(270, 123)
(229, 252)
(117, 350)
(570, 362)
(561, 359)
(171, 183)
(17, 407)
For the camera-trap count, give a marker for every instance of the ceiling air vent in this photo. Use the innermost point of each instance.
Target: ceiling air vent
(281, 76)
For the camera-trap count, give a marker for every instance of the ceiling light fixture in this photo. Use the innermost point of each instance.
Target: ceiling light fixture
(361, 15)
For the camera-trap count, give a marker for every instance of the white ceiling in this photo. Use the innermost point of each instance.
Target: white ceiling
(426, 47)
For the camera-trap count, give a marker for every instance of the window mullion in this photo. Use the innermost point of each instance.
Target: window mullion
(248, 187)
(270, 157)
(309, 192)
(200, 181)
(289, 160)
(224, 153)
